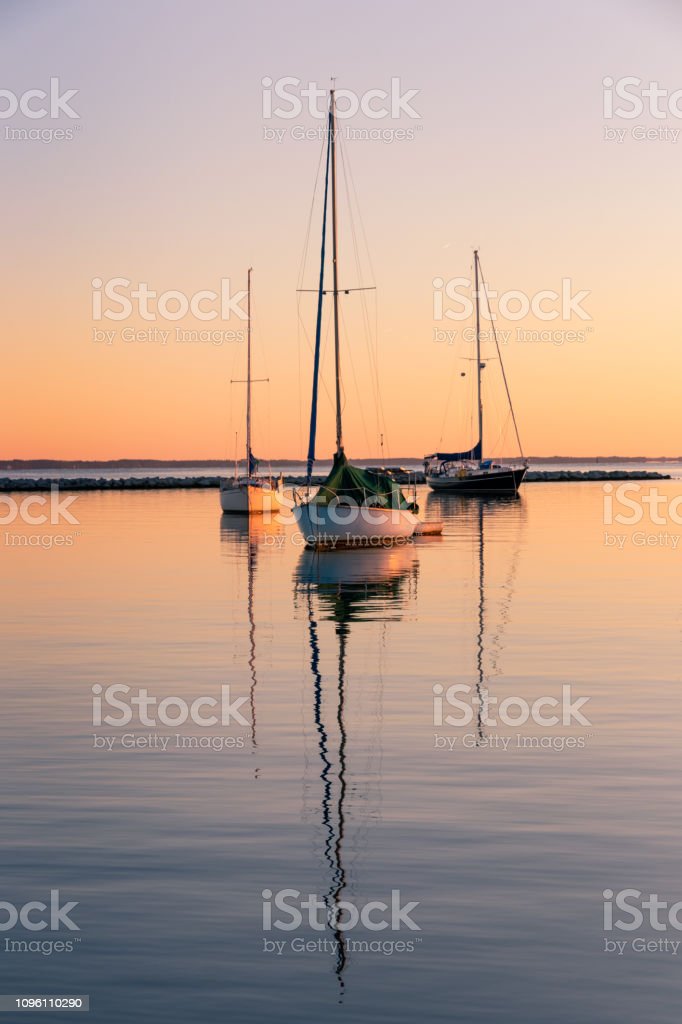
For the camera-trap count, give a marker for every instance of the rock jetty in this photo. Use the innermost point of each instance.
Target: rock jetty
(539, 476)
(153, 483)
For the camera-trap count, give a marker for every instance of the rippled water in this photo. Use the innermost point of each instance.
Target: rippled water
(340, 782)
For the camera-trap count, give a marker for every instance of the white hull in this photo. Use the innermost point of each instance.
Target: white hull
(250, 498)
(361, 526)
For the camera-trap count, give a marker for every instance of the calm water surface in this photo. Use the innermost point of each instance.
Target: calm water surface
(340, 781)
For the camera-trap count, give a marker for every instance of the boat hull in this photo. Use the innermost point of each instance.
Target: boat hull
(495, 481)
(365, 528)
(250, 498)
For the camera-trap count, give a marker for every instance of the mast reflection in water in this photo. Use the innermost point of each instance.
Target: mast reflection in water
(472, 513)
(249, 532)
(343, 588)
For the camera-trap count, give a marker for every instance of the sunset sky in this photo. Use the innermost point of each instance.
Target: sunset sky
(168, 179)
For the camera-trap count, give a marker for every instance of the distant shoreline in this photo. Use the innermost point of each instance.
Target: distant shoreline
(30, 464)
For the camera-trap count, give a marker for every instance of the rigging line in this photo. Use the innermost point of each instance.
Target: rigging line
(301, 269)
(504, 375)
(349, 351)
(447, 410)
(373, 363)
(497, 416)
(300, 329)
(239, 419)
(384, 426)
(266, 438)
(356, 253)
(359, 213)
(467, 422)
(299, 383)
(268, 424)
(498, 446)
(325, 355)
(379, 401)
(353, 203)
(324, 350)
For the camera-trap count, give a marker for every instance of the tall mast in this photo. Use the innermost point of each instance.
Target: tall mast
(248, 374)
(478, 355)
(332, 128)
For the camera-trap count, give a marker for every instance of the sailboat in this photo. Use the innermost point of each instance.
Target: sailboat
(250, 494)
(354, 506)
(468, 472)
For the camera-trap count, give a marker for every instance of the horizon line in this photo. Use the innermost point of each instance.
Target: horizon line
(142, 461)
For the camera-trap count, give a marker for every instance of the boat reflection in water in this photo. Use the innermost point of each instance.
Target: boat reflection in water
(494, 577)
(345, 588)
(248, 532)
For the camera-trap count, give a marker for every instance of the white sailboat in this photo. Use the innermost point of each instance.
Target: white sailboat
(353, 507)
(250, 494)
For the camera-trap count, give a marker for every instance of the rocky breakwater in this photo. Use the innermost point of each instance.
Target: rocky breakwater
(561, 475)
(153, 483)
(88, 483)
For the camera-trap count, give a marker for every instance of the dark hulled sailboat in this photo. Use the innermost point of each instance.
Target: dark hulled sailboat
(467, 472)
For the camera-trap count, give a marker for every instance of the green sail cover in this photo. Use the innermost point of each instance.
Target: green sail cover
(362, 486)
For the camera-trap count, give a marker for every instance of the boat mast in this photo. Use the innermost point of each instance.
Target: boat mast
(332, 129)
(248, 374)
(478, 355)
